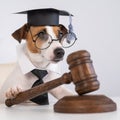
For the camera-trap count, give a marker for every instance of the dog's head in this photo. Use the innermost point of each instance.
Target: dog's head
(43, 40)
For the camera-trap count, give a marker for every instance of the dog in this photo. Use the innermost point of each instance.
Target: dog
(31, 57)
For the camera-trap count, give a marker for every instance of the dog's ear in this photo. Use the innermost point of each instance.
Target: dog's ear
(63, 29)
(21, 33)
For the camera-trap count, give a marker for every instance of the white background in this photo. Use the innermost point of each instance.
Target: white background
(96, 23)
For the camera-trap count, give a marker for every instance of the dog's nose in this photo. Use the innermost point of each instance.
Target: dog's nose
(59, 52)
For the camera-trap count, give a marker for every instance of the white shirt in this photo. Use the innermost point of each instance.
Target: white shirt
(22, 77)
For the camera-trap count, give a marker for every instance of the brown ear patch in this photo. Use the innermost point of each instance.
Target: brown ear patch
(21, 33)
(63, 29)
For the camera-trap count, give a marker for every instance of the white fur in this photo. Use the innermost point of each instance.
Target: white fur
(48, 53)
(51, 32)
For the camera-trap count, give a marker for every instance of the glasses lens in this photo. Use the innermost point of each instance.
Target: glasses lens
(43, 41)
(68, 40)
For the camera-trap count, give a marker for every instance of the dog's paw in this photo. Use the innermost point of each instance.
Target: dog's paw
(12, 92)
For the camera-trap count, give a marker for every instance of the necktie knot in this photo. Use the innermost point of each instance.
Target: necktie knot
(39, 73)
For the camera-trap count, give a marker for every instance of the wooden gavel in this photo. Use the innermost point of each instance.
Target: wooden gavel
(82, 75)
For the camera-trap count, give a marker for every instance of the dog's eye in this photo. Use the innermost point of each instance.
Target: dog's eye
(60, 34)
(42, 35)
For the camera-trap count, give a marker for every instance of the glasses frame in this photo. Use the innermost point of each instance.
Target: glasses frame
(34, 40)
(74, 40)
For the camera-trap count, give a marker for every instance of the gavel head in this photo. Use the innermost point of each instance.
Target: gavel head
(82, 71)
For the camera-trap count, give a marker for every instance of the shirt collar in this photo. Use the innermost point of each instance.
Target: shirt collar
(26, 65)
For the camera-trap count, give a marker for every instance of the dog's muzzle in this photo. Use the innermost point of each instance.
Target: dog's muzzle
(59, 53)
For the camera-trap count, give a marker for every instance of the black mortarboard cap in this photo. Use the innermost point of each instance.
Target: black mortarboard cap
(49, 16)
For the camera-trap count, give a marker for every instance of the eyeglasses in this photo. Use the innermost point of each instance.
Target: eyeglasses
(66, 40)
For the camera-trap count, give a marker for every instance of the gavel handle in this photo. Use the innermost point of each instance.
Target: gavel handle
(38, 90)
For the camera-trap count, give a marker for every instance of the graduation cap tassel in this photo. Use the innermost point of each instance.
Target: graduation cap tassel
(71, 35)
(70, 26)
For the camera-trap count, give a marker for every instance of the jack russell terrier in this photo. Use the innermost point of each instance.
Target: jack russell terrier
(42, 50)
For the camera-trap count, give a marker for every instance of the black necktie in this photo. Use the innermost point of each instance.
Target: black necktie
(43, 98)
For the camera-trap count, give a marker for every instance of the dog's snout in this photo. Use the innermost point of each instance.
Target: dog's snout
(59, 52)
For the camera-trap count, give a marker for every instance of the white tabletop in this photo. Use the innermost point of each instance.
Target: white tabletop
(46, 112)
